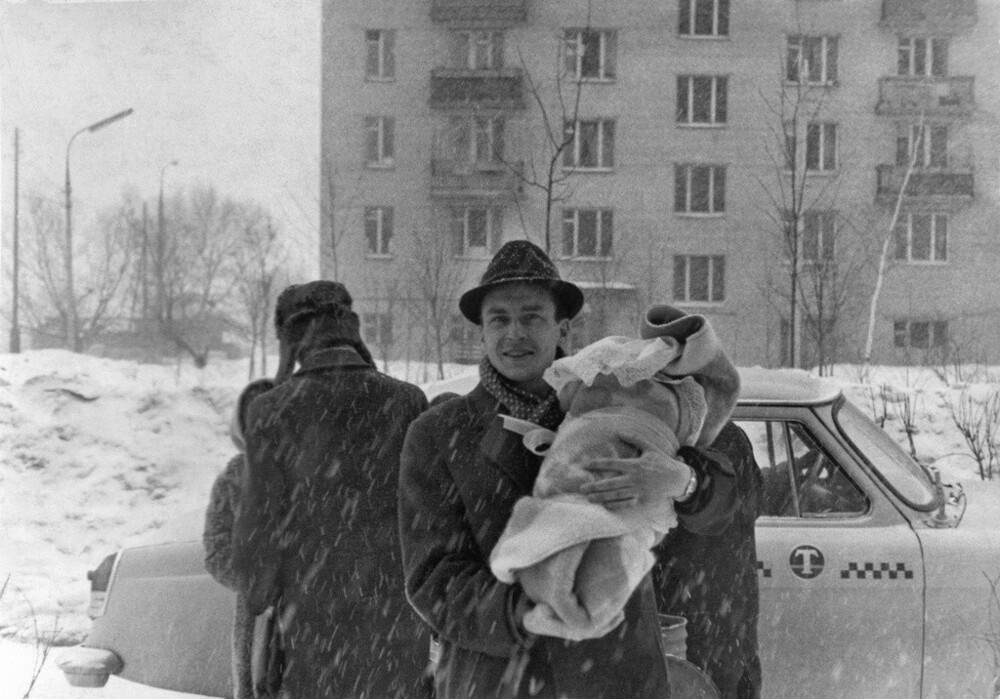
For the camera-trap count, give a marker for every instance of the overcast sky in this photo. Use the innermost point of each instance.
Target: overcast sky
(228, 88)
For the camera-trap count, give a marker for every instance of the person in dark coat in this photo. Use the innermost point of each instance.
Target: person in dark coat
(462, 472)
(317, 521)
(217, 539)
(711, 580)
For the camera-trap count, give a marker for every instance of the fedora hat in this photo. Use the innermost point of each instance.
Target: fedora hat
(521, 261)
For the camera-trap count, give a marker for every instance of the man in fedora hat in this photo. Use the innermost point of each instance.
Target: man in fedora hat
(461, 472)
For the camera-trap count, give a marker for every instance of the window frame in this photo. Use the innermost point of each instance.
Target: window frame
(712, 195)
(385, 55)
(936, 332)
(469, 43)
(383, 146)
(821, 147)
(688, 95)
(932, 50)
(604, 231)
(929, 137)
(383, 218)
(493, 232)
(715, 283)
(937, 244)
(689, 12)
(607, 40)
(797, 44)
(605, 145)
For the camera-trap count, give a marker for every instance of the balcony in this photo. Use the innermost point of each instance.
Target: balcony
(468, 13)
(938, 189)
(952, 97)
(928, 16)
(481, 89)
(461, 179)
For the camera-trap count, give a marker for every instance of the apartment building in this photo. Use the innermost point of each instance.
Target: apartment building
(712, 154)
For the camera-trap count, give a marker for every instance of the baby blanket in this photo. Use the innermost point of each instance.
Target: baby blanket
(578, 561)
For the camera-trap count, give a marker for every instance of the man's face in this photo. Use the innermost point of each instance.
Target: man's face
(521, 333)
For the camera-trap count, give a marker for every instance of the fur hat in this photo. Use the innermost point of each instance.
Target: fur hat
(521, 261)
(300, 301)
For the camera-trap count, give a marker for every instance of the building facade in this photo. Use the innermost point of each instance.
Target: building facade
(772, 165)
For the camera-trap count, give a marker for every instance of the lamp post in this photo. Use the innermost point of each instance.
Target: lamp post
(161, 244)
(73, 322)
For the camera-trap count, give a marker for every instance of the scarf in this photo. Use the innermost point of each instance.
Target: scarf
(541, 410)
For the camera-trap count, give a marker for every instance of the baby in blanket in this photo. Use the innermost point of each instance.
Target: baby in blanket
(577, 560)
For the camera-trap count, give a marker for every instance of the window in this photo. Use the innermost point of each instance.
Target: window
(699, 278)
(376, 329)
(477, 139)
(821, 147)
(920, 334)
(920, 56)
(922, 238)
(703, 18)
(701, 99)
(800, 479)
(475, 230)
(818, 230)
(378, 230)
(480, 50)
(931, 144)
(812, 59)
(591, 145)
(587, 232)
(589, 54)
(700, 189)
(380, 146)
(380, 54)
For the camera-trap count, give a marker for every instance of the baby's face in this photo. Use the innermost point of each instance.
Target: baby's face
(648, 395)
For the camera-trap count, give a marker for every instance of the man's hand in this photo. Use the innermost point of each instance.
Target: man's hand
(646, 480)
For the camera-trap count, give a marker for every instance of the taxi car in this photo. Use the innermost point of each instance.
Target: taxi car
(870, 584)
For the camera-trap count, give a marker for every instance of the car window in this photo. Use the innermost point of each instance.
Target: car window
(800, 478)
(892, 465)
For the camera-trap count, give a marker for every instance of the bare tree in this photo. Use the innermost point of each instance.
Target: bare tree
(261, 265)
(812, 283)
(434, 278)
(103, 260)
(197, 266)
(386, 297)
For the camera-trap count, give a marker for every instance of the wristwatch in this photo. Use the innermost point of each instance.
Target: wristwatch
(692, 486)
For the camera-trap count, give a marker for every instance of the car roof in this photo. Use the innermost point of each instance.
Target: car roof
(759, 386)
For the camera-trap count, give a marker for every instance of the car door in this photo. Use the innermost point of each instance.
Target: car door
(840, 571)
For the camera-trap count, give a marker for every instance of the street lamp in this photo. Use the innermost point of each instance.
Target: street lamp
(73, 322)
(160, 250)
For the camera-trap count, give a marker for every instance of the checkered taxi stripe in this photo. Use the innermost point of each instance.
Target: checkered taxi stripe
(877, 571)
(761, 568)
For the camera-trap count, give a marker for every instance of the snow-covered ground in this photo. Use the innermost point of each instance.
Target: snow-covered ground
(96, 454)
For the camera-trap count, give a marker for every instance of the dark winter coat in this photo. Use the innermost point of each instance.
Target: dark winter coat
(461, 474)
(712, 581)
(318, 518)
(217, 540)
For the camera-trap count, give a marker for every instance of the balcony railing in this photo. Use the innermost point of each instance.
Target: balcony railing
(483, 89)
(939, 188)
(471, 12)
(928, 16)
(933, 97)
(461, 179)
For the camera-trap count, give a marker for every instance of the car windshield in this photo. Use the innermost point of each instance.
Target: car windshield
(894, 467)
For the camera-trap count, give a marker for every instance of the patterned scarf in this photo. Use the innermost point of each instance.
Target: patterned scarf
(541, 410)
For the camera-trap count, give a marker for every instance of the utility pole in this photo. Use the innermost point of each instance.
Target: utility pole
(15, 328)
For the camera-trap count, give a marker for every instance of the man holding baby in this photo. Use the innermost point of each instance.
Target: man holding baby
(463, 471)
